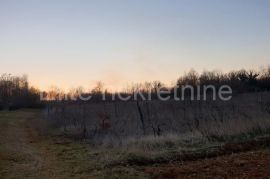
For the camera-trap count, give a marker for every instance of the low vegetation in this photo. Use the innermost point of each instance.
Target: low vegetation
(29, 149)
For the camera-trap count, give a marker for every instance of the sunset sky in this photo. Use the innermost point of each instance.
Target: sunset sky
(71, 43)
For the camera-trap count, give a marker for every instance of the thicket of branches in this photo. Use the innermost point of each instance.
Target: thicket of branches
(15, 93)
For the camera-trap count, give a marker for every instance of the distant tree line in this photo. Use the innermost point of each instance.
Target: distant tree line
(240, 81)
(15, 93)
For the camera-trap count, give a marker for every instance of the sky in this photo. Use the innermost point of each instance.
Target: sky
(70, 43)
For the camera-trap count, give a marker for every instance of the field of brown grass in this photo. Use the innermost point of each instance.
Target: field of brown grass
(28, 150)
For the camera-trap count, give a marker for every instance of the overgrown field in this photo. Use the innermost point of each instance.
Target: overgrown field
(161, 124)
(32, 149)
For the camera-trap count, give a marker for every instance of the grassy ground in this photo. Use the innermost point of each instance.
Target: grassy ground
(27, 151)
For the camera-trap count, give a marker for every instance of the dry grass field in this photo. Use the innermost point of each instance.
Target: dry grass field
(28, 150)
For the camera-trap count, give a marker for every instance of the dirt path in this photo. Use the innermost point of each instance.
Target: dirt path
(23, 152)
(251, 165)
(19, 158)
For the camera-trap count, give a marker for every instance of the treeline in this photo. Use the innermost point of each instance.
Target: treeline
(240, 81)
(15, 93)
